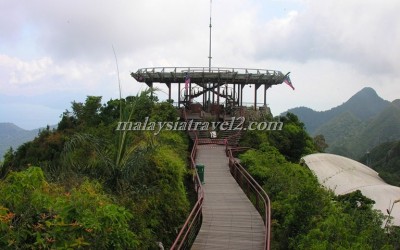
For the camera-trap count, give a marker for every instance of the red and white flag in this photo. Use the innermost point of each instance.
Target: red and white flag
(187, 81)
(288, 81)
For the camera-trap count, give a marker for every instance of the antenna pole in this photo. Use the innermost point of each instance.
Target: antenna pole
(209, 58)
(209, 50)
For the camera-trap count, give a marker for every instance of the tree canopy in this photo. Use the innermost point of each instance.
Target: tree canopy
(304, 214)
(86, 184)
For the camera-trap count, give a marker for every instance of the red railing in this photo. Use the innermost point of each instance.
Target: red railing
(192, 225)
(212, 141)
(253, 190)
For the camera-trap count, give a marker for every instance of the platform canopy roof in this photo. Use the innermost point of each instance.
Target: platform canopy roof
(343, 175)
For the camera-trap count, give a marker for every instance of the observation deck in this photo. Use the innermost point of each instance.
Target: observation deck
(215, 85)
(203, 75)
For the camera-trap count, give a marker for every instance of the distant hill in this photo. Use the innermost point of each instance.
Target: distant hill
(363, 122)
(363, 105)
(385, 159)
(13, 136)
(384, 127)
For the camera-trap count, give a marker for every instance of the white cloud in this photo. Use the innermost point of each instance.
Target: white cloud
(43, 75)
(333, 48)
(362, 33)
(27, 72)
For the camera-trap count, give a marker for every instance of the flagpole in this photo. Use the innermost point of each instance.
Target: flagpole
(209, 53)
(209, 48)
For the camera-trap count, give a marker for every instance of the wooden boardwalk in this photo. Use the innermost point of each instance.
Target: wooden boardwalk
(230, 221)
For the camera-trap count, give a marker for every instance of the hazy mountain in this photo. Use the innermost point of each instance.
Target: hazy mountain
(13, 136)
(384, 127)
(351, 129)
(363, 105)
(341, 127)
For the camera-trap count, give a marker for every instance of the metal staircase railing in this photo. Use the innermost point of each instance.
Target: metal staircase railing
(253, 190)
(192, 225)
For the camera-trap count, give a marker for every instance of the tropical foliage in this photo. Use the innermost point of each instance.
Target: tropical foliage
(38, 214)
(96, 186)
(385, 159)
(305, 215)
(292, 141)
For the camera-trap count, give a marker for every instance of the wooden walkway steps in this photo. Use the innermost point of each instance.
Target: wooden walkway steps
(230, 221)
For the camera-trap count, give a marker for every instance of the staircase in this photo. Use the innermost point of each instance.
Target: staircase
(234, 131)
(201, 134)
(227, 131)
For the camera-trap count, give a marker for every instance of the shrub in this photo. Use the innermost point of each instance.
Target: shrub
(37, 214)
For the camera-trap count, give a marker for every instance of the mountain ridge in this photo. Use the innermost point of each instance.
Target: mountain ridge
(364, 121)
(364, 104)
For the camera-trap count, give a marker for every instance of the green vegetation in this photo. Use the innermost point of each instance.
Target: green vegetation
(305, 215)
(96, 187)
(385, 159)
(88, 185)
(356, 126)
(382, 128)
(339, 131)
(38, 214)
(292, 141)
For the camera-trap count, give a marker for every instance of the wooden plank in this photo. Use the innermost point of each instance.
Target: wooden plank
(230, 221)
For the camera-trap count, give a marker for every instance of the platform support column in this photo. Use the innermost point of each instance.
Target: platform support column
(179, 95)
(255, 98)
(234, 94)
(169, 90)
(265, 95)
(218, 91)
(256, 86)
(241, 93)
(190, 92)
(213, 95)
(204, 98)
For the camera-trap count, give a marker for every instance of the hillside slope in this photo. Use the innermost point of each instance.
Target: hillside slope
(351, 129)
(384, 127)
(363, 105)
(385, 159)
(13, 136)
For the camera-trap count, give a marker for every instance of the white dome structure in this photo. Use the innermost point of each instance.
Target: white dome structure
(343, 175)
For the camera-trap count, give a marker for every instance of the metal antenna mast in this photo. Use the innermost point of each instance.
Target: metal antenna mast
(209, 59)
(209, 50)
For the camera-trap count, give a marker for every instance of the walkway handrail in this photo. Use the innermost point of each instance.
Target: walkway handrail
(208, 70)
(188, 232)
(253, 190)
(201, 75)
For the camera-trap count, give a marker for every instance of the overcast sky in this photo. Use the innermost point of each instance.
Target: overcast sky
(54, 52)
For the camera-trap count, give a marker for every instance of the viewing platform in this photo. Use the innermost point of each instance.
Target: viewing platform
(203, 75)
(212, 85)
